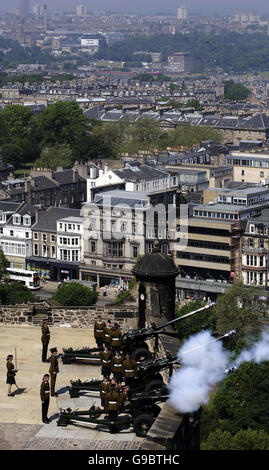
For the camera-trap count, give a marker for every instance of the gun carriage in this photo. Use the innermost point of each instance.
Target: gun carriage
(140, 411)
(148, 377)
(133, 342)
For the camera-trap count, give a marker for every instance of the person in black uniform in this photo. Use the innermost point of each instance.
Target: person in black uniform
(53, 370)
(45, 398)
(45, 338)
(11, 372)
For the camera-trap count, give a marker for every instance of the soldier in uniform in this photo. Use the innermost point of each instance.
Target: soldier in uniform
(104, 388)
(45, 338)
(116, 337)
(45, 398)
(11, 372)
(99, 327)
(107, 333)
(112, 405)
(53, 370)
(106, 358)
(116, 366)
(129, 370)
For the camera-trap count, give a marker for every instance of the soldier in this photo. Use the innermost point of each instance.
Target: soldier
(129, 370)
(104, 388)
(53, 370)
(45, 398)
(99, 327)
(107, 333)
(116, 366)
(45, 338)
(11, 372)
(112, 405)
(116, 337)
(106, 358)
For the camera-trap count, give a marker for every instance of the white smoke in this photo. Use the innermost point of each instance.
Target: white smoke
(205, 363)
(257, 353)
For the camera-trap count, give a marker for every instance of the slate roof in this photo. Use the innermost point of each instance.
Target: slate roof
(48, 222)
(141, 173)
(65, 176)
(8, 206)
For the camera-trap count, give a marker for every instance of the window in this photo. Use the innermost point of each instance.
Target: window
(44, 250)
(11, 233)
(92, 246)
(134, 251)
(261, 243)
(53, 251)
(27, 234)
(36, 249)
(52, 238)
(250, 242)
(44, 237)
(35, 236)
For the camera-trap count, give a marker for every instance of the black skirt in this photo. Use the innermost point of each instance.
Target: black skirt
(10, 380)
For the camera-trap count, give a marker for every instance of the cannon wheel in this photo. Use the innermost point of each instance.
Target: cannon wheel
(153, 385)
(141, 354)
(142, 424)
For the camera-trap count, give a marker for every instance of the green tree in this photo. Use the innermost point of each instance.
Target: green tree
(195, 323)
(52, 157)
(242, 400)
(3, 265)
(17, 120)
(248, 439)
(75, 294)
(240, 309)
(62, 123)
(235, 91)
(15, 293)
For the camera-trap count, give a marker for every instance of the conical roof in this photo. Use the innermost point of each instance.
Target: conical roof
(155, 264)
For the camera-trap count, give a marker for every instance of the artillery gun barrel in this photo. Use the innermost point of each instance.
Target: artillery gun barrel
(206, 307)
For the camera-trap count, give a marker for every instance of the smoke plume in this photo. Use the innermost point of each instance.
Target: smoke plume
(205, 363)
(257, 353)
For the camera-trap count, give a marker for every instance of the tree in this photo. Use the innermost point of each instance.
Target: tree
(17, 120)
(194, 323)
(62, 123)
(52, 157)
(242, 399)
(75, 294)
(235, 91)
(3, 264)
(15, 293)
(248, 439)
(240, 309)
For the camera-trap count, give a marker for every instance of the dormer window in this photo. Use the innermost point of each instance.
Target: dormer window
(27, 220)
(17, 219)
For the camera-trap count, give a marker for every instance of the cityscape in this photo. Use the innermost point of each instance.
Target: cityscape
(134, 229)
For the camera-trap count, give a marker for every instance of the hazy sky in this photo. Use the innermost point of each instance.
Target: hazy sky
(151, 6)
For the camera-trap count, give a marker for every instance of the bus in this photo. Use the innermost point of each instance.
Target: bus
(30, 279)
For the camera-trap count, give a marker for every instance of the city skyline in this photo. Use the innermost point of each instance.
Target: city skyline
(208, 7)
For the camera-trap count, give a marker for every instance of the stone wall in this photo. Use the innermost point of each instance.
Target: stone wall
(77, 317)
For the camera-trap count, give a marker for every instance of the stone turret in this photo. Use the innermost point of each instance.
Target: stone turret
(155, 274)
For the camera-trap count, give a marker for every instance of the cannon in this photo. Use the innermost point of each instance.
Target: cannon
(139, 411)
(148, 377)
(133, 342)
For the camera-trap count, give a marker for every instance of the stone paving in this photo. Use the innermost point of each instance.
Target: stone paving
(20, 416)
